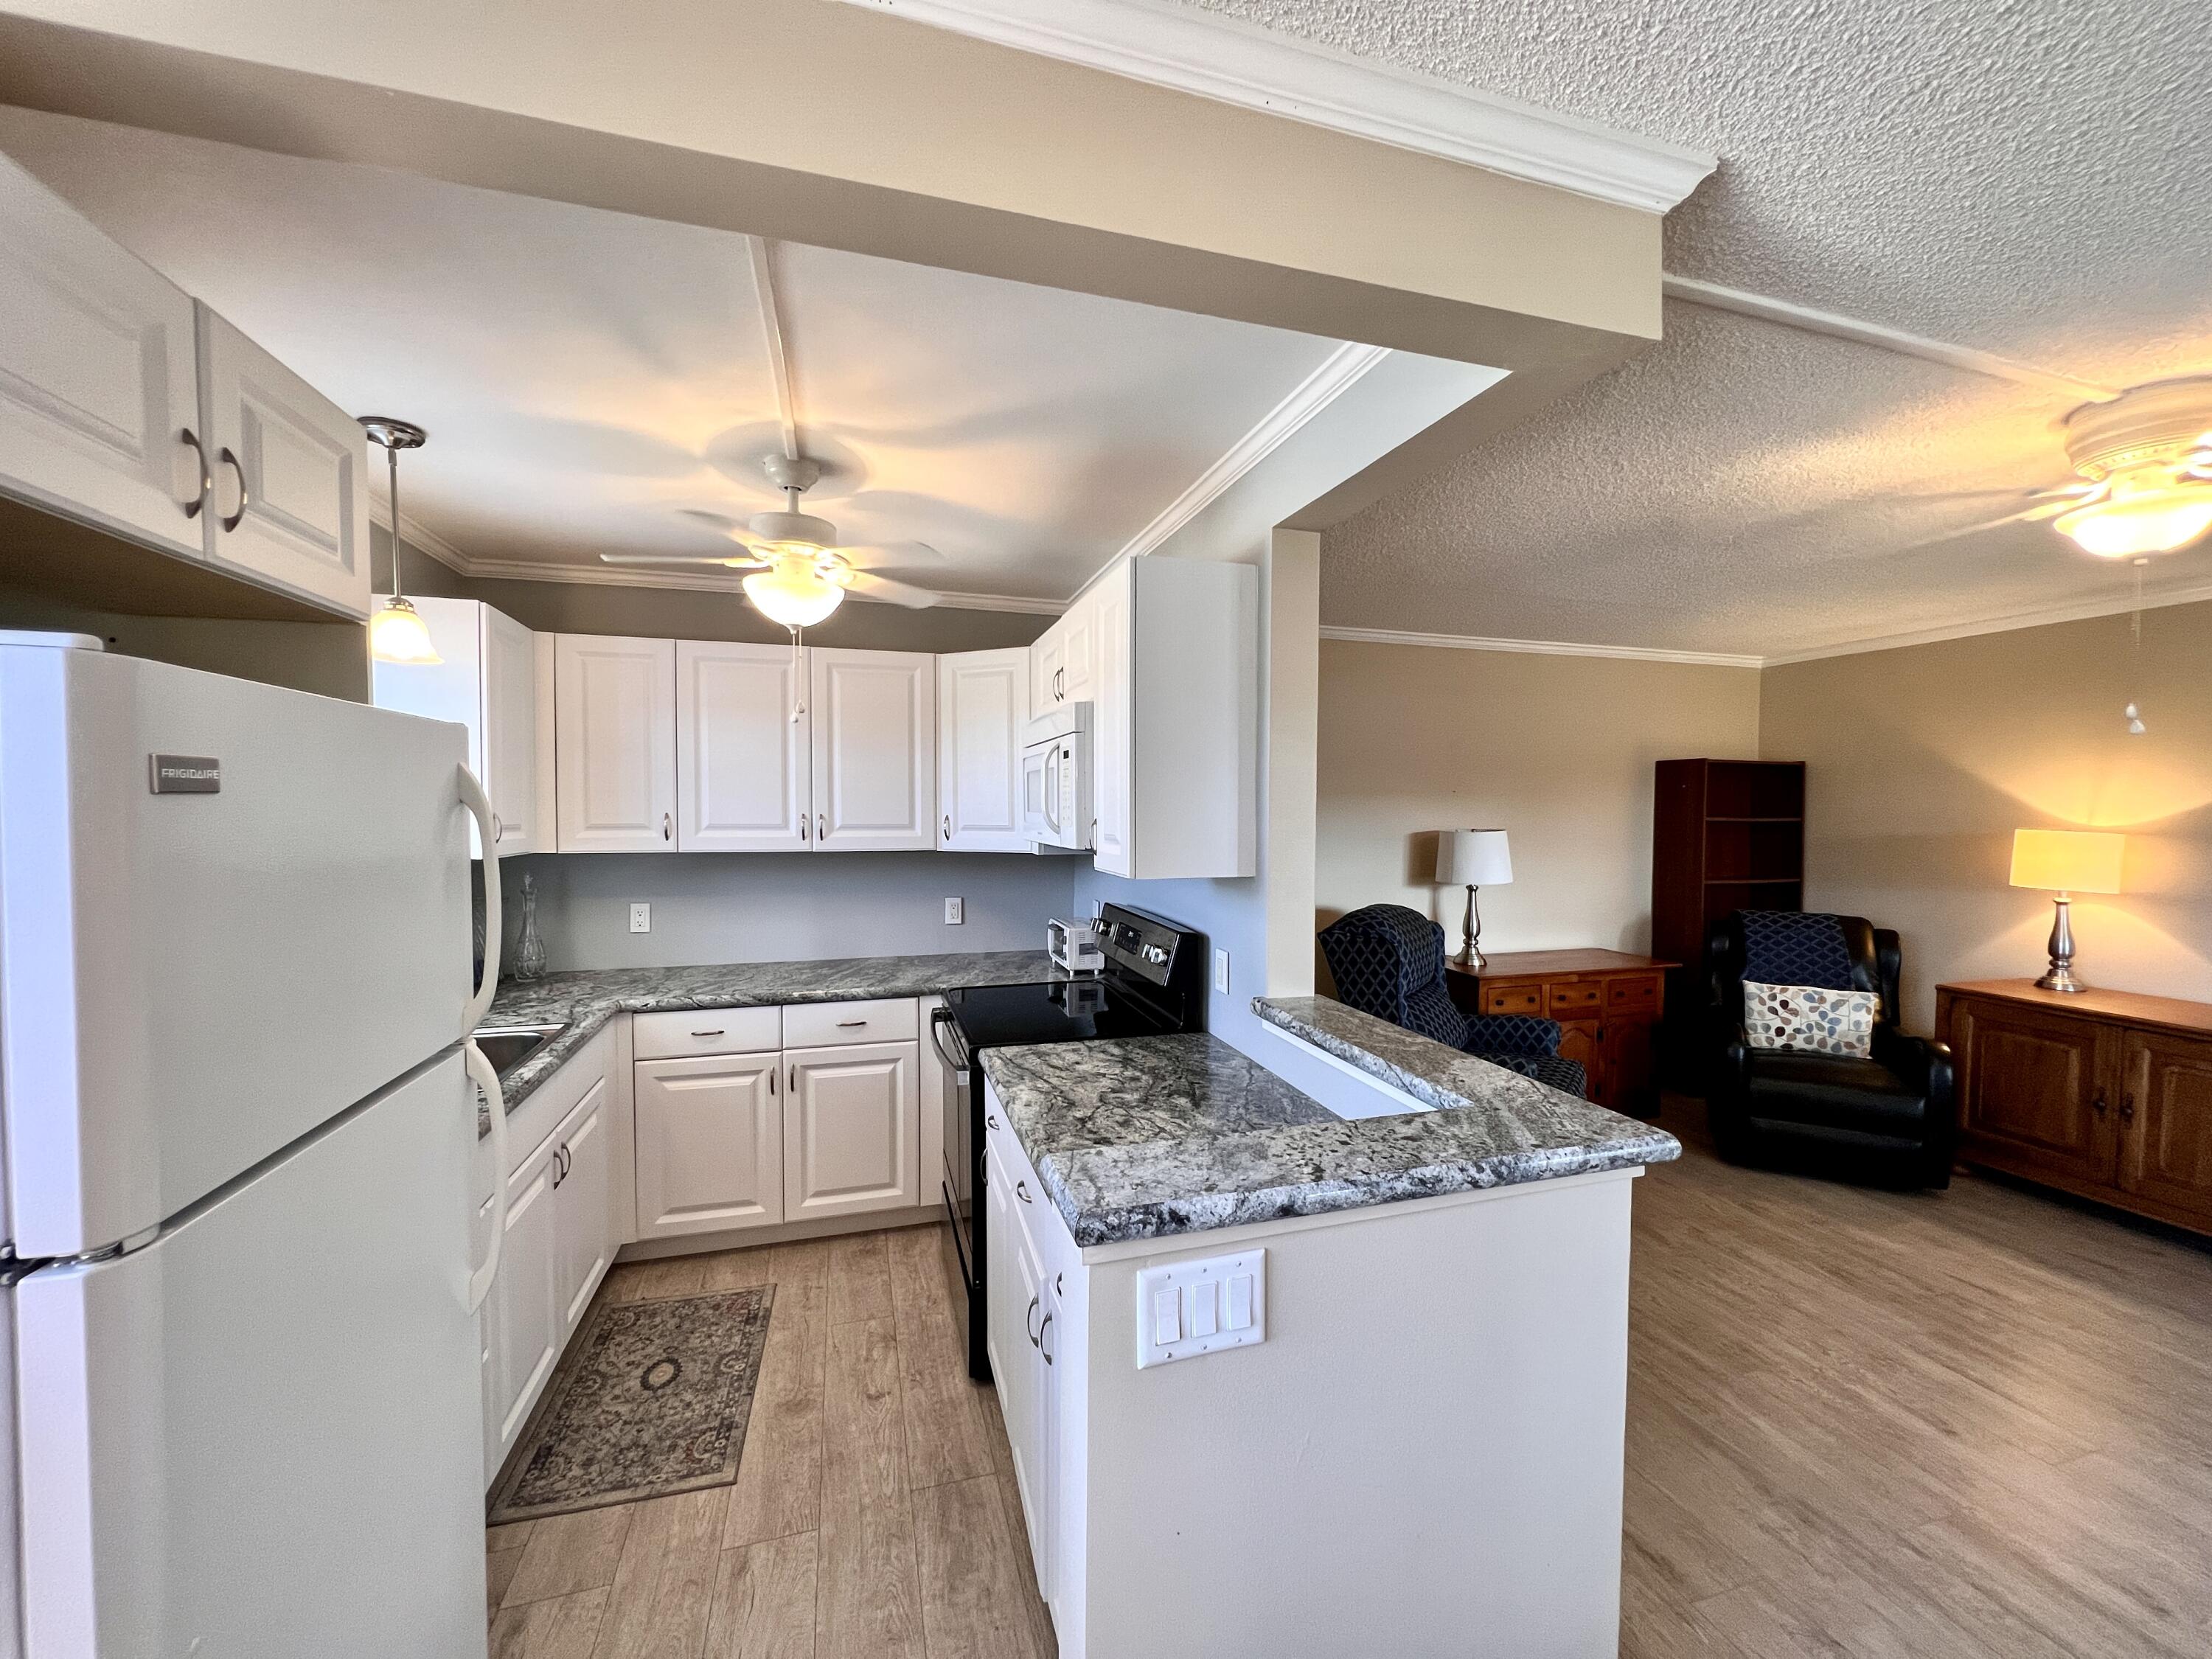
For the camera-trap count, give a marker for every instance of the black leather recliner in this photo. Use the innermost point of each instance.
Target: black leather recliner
(1892, 1119)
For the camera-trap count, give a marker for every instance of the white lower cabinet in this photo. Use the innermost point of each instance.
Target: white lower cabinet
(581, 1247)
(709, 1143)
(850, 1123)
(524, 1319)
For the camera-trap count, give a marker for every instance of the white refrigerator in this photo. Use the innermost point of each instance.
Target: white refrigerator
(240, 1118)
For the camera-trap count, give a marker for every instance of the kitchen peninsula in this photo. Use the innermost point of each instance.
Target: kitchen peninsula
(1280, 1382)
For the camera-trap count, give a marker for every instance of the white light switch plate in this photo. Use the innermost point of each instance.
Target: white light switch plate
(953, 909)
(1194, 1307)
(641, 918)
(1221, 972)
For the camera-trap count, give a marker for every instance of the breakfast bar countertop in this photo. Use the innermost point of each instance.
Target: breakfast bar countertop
(1143, 1138)
(587, 998)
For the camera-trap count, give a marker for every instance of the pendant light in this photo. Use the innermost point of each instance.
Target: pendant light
(397, 633)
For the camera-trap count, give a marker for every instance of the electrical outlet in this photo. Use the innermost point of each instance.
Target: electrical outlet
(641, 918)
(1221, 972)
(953, 909)
(1097, 909)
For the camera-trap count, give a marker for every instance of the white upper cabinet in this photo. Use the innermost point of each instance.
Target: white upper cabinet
(289, 501)
(1175, 690)
(982, 704)
(615, 739)
(742, 779)
(488, 682)
(99, 401)
(874, 719)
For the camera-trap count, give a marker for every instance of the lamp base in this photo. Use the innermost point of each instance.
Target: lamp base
(2059, 977)
(1470, 955)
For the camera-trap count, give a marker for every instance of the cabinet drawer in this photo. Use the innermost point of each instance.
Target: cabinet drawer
(1630, 994)
(817, 1025)
(676, 1033)
(1579, 998)
(1512, 999)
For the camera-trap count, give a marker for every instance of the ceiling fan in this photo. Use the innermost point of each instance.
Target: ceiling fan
(2144, 467)
(799, 571)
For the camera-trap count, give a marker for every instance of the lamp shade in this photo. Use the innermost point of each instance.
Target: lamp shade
(2067, 860)
(1473, 858)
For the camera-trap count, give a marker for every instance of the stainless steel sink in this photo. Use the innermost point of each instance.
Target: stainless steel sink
(508, 1046)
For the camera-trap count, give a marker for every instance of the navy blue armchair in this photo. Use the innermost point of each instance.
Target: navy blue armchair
(1388, 960)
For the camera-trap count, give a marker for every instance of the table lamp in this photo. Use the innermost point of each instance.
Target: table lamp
(2066, 862)
(1472, 859)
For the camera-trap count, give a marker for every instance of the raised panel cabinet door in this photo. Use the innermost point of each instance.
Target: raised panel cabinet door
(982, 705)
(99, 385)
(1012, 1282)
(289, 501)
(1048, 656)
(874, 720)
(2034, 1095)
(1579, 1041)
(850, 1130)
(527, 1325)
(709, 1143)
(1631, 1066)
(1078, 643)
(615, 744)
(508, 657)
(582, 1204)
(1112, 717)
(2166, 1124)
(741, 758)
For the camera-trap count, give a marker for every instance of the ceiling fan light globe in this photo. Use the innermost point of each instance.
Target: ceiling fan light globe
(794, 597)
(2134, 522)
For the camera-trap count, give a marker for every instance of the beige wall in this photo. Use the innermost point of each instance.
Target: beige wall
(1556, 749)
(1921, 762)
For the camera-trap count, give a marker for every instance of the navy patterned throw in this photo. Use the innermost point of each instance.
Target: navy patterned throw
(1796, 947)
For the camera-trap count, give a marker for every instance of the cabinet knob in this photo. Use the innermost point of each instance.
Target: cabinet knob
(2127, 1108)
(2098, 1104)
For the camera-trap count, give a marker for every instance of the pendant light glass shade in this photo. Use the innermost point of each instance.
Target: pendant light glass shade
(397, 633)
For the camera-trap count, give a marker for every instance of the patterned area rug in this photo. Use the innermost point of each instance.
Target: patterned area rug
(653, 1400)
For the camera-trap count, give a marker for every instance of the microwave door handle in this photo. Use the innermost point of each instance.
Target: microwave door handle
(1052, 791)
(479, 803)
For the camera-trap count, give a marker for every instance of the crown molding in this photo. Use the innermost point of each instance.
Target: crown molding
(1542, 647)
(1339, 372)
(420, 536)
(1233, 62)
(2042, 617)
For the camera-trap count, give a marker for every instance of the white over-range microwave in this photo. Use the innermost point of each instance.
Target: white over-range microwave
(1056, 778)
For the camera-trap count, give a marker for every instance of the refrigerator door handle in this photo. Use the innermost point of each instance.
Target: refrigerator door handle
(473, 797)
(480, 1070)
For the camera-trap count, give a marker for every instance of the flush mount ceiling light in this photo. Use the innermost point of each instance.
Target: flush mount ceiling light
(801, 573)
(397, 633)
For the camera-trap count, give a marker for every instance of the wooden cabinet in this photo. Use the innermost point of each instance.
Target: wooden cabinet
(1607, 1004)
(850, 1130)
(289, 500)
(983, 706)
(487, 682)
(615, 736)
(873, 720)
(99, 391)
(742, 770)
(2104, 1093)
(709, 1144)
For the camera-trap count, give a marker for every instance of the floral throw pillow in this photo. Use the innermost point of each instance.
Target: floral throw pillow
(1805, 1016)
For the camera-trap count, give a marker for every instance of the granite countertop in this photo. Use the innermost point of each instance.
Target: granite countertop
(585, 1000)
(1149, 1137)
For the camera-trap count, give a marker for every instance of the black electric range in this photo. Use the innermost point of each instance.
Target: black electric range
(1153, 984)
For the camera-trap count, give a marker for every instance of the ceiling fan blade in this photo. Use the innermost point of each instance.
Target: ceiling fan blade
(2034, 515)
(892, 592)
(721, 524)
(886, 555)
(727, 563)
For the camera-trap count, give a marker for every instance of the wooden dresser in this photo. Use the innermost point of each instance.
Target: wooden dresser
(2104, 1093)
(1608, 1003)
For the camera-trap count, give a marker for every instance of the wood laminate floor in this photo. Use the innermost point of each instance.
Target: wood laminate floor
(1975, 1424)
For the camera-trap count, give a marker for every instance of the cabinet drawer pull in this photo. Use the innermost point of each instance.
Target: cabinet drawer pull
(717, 1031)
(207, 479)
(226, 459)
(1021, 1192)
(1028, 1328)
(847, 1024)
